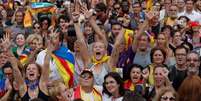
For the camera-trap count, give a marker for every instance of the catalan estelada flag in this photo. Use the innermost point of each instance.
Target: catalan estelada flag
(64, 60)
(128, 37)
(149, 4)
(24, 56)
(36, 8)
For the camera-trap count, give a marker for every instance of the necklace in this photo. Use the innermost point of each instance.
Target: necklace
(32, 85)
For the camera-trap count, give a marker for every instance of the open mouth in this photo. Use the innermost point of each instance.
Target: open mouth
(98, 53)
(135, 78)
(31, 74)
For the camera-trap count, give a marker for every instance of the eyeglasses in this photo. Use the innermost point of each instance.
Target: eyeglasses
(194, 60)
(86, 76)
(168, 98)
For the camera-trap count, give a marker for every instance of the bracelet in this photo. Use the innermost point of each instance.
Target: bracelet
(75, 21)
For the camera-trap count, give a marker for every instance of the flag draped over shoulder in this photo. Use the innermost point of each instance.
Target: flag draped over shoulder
(65, 64)
(36, 8)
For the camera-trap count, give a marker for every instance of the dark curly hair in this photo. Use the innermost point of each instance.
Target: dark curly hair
(119, 81)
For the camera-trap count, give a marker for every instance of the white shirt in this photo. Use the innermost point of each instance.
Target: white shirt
(193, 16)
(54, 75)
(107, 98)
(162, 14)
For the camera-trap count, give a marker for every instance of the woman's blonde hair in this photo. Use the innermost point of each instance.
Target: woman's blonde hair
(33, 37)
(164, 90)
(54, 88)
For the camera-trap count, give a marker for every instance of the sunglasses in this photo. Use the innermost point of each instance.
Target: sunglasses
(86, 76)
(116, 8)
(8, 73)
(168, 98)
(37, 27)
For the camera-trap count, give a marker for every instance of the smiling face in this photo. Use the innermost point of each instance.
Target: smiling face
(177, 38)
(87, 30)
(63, 92)
(142, 43)
(86, 80)
(111, 85)
(135, 75)
(193, 62)
(116, 29)
(19, 17)
(20, 40)
(159, 78)
(161, 40)
(99, 50)
(158, 57)
(37, 28)
(32, 72)
(34, 44)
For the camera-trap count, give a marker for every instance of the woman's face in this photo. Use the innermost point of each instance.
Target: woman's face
(158, 57)
(111, 85)
(143, 43)
(161, 40)
(64, 93)
(77, 46)
(20, 40)
(168, 96)
(159, 77)
(19, 17)
(45, 25)
(37, 28)
(88, 30)
(167, 32)
(34, 44)
(135, 75)
(99, 50)
(177, 37)
(32, 72)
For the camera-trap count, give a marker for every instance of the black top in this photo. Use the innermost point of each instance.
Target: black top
(177, 77)
(41, 95)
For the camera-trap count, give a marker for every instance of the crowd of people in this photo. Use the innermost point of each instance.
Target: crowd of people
(100, 50)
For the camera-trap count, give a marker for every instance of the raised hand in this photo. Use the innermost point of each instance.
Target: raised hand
(150, 15)
(75, 16)
(86, 12)
(6, 42)
(8, 85)
(145, 73)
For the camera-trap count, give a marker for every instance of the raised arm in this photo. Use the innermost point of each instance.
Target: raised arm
(142, 27)
(45, 69)
(115, 52)
(80, 37)
(6, 44)
(88, 16)
(17, 75)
